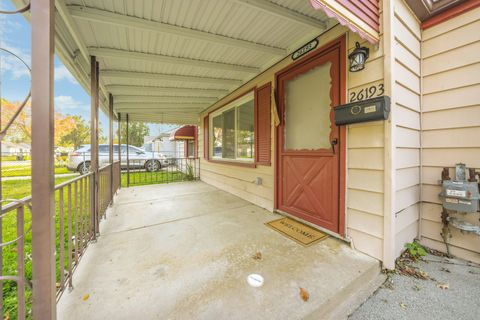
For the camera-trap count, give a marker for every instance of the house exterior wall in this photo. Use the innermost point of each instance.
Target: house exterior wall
(450, 120)
(407, 91)
(365, 156)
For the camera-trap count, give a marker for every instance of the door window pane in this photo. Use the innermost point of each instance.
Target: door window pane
(307, 110)
(245, 130)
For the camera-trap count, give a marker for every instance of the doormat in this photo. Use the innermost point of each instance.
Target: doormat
(297, 231)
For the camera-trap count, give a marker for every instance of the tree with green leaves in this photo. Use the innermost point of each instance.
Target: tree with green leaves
(136, 132)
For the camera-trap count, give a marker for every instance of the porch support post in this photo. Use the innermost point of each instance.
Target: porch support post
(389, 137)
(43, 206)
(110, 146)
(119, 150)
(128, 157)
(94, 143)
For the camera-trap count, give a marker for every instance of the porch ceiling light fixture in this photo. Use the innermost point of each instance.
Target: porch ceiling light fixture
(358, 57)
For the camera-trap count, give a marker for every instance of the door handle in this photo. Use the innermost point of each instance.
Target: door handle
(334, 142)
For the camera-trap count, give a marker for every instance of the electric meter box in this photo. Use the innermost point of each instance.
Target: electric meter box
(461, 196)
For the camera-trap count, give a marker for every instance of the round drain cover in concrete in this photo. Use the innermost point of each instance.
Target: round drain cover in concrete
(255, 280)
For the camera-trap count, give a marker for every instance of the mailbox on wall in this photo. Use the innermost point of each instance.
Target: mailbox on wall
(363, 111)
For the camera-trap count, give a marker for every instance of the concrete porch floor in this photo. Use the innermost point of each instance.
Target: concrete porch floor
(184, 251)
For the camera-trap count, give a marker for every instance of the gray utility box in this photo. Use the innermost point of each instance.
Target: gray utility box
(461, 196)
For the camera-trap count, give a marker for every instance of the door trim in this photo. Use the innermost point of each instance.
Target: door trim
(340, 44)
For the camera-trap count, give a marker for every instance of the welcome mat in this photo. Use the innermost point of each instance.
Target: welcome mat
(297, 231)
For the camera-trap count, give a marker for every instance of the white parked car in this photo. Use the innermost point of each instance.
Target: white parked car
(79, 160)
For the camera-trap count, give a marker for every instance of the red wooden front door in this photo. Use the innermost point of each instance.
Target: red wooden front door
(309, 144)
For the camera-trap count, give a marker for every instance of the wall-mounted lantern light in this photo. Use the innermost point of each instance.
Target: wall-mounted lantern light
(358, 57)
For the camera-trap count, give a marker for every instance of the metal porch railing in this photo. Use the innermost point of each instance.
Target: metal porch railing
(141, 172)
(74, 225)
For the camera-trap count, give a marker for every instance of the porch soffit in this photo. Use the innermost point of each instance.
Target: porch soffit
(167, 60)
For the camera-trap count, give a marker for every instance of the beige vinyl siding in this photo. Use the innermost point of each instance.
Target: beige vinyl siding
(240, 180)
(365, 156)
(450, 121)
(365, 161)
(406, 71)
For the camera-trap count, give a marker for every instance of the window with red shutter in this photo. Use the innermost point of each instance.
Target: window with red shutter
(263, 125)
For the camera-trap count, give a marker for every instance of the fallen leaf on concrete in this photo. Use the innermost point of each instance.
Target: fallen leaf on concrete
(257, 256)
(85, 297)
(403, 305)
(414, 272)
(417, 287)
(443, 286)
(384, 300)
(445, 270)
(473, 272)
(304, 294)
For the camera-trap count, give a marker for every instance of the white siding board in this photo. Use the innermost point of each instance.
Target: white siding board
(407, 118)
(407, 158)
(456, 78)
(453, 59)
(407, 138)
(455, 38)
(407, 177)
(452, 138)
(367, 180)
(365, 222)
(451, 99)
(407, 197)
(461, 117)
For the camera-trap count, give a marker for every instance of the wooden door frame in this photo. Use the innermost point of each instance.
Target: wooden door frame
(337, 44)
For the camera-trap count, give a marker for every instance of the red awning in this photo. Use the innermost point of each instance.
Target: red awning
(360, 16)
(183, 133)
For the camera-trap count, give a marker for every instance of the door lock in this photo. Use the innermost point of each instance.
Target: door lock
(334, 142)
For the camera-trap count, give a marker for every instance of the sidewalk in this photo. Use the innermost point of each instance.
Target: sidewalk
(30, 177)
(452, 292)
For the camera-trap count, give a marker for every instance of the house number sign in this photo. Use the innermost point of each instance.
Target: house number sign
(305, 49)
(367, 93)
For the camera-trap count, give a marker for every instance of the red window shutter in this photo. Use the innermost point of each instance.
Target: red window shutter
(205, 137)
(263, 124)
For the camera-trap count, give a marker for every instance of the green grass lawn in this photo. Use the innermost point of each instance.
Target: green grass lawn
(22, 171)
(17, 189)
(147, 178)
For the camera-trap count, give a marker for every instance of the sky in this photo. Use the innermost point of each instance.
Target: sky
(70, 97)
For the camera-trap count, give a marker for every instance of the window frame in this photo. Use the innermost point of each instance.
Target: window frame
(234, 103)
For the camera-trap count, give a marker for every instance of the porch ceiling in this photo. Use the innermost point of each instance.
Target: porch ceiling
(166, 60)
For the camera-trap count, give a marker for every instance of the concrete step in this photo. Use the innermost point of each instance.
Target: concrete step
(349, 298)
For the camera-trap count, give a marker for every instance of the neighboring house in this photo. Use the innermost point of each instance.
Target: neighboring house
(161, 143)
(10, 148)
(185, 139)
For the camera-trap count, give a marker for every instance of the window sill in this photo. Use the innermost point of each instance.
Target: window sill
(234, 163)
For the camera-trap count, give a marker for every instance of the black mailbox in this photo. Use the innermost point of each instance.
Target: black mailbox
(363, 111)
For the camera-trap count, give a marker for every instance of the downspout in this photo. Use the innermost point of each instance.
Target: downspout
(389, 139)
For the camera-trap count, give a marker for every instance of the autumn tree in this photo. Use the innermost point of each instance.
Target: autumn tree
(21, 129)
(78, 135)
